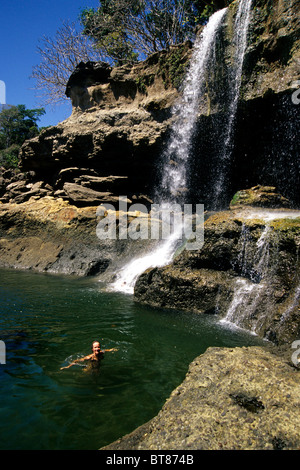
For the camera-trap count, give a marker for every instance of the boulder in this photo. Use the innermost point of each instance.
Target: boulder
(116, 184)
(20, 191)
(85, 196)
(260, 196)
(69, 175)
(200, 291)
(231, 399)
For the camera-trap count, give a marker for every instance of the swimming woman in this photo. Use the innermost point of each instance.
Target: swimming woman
(93, 358)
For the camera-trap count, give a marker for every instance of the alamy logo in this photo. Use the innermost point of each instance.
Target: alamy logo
(2, 92)
(296, 94)
(160, 223)
(2, 353)
(296, 354)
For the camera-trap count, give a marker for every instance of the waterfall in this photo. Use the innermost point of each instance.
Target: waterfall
(289, 310)
(249, 292)
(242, 309)
(185, 113)
(173, 182)
(251, 300)
(242, 22)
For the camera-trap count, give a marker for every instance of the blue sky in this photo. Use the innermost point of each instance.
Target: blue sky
(23, 23)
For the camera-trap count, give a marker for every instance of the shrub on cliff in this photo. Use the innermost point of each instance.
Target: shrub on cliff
(17, 124)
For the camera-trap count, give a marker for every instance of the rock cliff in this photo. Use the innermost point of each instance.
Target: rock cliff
(112, 141)
(121, 119)
(111, 146)
(49, 234)
(264, 147)
(231, 399)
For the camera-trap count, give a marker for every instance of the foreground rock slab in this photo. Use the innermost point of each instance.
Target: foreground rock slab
(231, 399)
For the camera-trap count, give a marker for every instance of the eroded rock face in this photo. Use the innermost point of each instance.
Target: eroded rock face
(49, 234)
(231, 399)
(264, 148)
(120, 121)
(122, 116)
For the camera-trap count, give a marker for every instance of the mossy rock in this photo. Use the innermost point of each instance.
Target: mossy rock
(260, 196)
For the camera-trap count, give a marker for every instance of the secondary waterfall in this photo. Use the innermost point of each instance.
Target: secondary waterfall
(242, 22)
(175, 159)
(250, 288)
(256, 268)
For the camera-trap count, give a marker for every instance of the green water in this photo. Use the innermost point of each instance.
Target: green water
(46, 321)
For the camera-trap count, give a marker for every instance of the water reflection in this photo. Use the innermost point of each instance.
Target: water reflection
(47, 319)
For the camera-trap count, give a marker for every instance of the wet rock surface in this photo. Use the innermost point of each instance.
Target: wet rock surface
(51, 235)
(246, 398)
(248, 266)
(231, 399)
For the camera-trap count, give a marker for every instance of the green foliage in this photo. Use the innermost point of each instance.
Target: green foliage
(143, 82)
(9, 158)
(107, 27)
(17, 124)
(127, 30)
(173, 68)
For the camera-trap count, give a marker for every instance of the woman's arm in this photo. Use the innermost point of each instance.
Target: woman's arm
(86, 358)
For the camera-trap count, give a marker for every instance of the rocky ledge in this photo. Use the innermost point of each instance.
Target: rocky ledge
(231, 399)
(49, 234)
(247, 271)
(112, 142)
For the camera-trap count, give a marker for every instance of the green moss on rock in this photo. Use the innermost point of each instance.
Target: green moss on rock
(259, 196)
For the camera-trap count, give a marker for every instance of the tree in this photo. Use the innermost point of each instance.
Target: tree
(118, 32)
(128, 30)
(108, 28)
(17, 124)
(59, 57)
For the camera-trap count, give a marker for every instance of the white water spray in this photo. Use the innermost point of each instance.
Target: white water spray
(247, 293)
(160, 257)
(186, 111)
(251, 290)
(174, 172)
(242, 22)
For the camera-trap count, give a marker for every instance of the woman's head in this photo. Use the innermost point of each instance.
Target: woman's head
(96, 347)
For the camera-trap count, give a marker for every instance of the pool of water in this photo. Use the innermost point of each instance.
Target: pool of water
(46, 321)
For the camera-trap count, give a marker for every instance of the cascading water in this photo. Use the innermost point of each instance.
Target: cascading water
(248, 290)
(242, 22)
(251, 301)
(173, 181)
(185, 112)
(289, 310)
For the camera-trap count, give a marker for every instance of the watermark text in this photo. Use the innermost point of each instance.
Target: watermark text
(159, 223)
(296, 93)
(296, 354)
(2, 352)
(2, 92)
